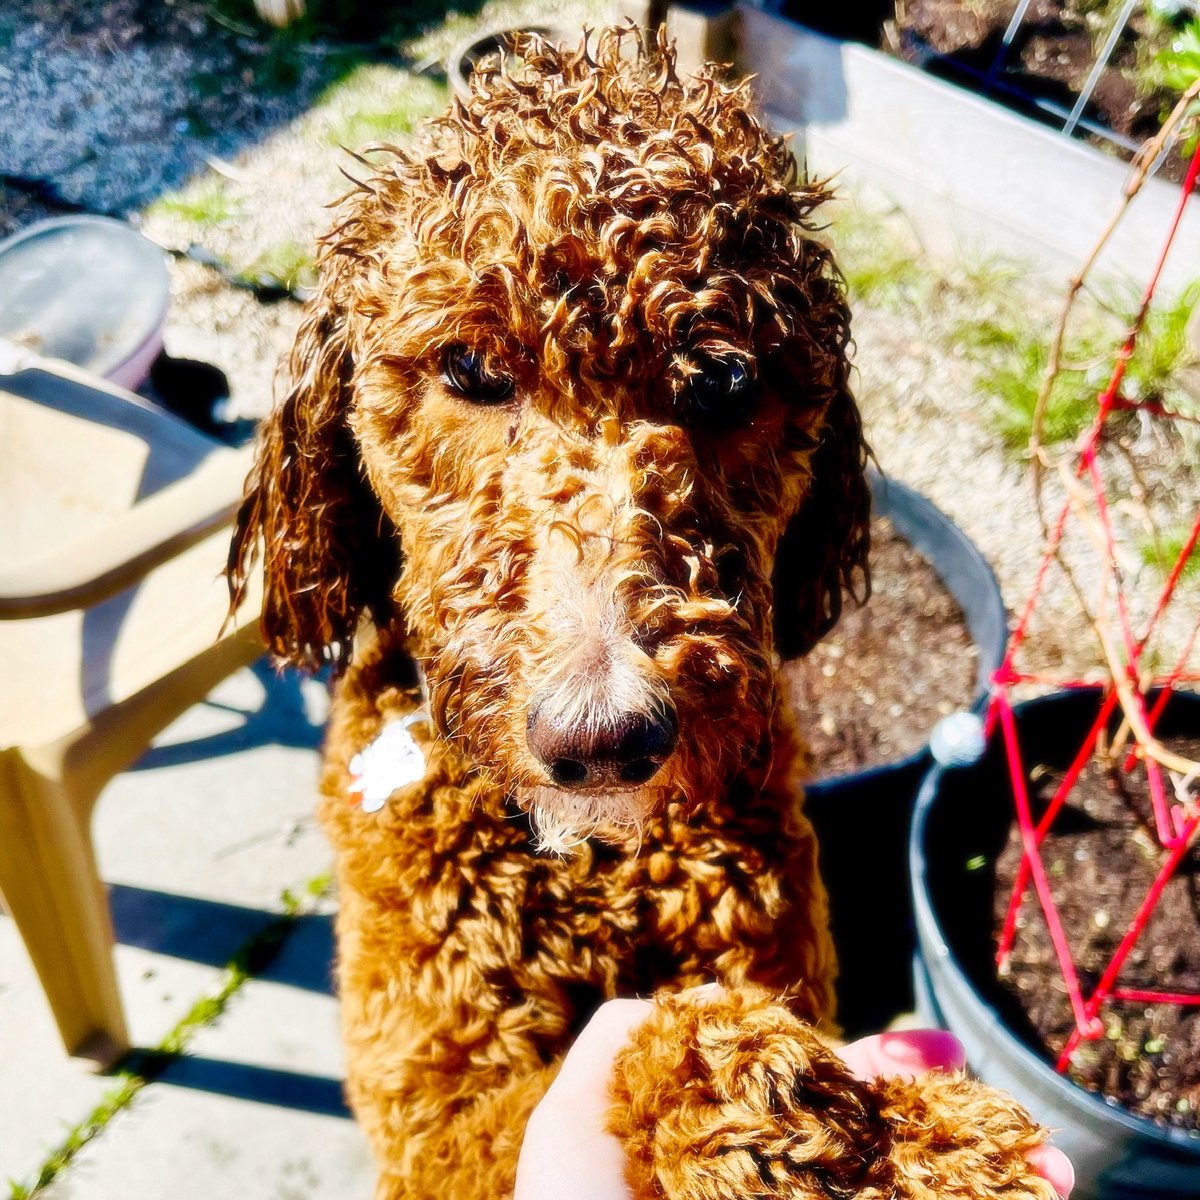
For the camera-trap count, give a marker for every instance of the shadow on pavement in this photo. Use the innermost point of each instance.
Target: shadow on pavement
(296, 952)
(280, 720)
(243, 1081)
(214, 933)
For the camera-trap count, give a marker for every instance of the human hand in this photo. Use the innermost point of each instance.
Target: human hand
(568, 1154)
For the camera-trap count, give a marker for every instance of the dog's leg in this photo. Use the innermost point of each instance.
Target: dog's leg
(472, 1155)
(737, 1097)
(443, 1069)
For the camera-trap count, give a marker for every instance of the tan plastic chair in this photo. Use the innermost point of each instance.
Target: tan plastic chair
(114, 523)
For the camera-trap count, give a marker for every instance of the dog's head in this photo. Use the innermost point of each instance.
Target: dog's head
(572, 403)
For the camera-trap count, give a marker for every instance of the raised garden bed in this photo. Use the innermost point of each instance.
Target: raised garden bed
(970, 174)
(1038, 57)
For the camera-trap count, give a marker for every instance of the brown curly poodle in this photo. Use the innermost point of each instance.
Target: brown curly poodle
(568, 459)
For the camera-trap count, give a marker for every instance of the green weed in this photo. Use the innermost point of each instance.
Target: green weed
(289, 264)
(374, 104)
(879, 265)
(1163, 552)
(207, 204)
(1011, 387)
(140, 1067)
(1012, 354)
(1163, 350)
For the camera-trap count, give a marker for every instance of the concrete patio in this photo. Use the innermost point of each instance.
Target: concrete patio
(206, 844)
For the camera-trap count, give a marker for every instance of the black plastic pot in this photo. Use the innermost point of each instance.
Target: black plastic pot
(862, 819)
(461, 60)
(962, 816)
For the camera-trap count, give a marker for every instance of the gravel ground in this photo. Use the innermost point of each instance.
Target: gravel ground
(156, 110)
(928, 425)
(109, 103)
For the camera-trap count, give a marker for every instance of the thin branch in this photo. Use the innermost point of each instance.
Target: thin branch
(1139, 173)
(1149, 746)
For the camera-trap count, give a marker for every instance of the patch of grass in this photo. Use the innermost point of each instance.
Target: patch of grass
(206, 204)
(887, 279)
(289, 264)
(988, 277)
(141, 1067)
(1163, 552)
(1011, 385)
(879, 264)
(1163, 350)
(375, 104)
(1012, 353)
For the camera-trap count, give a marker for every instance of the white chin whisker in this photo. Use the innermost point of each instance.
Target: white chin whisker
(563, 821)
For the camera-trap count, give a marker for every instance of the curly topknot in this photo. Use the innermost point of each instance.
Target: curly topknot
(606, 209)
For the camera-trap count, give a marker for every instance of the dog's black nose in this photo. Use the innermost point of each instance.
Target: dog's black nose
(624, 753)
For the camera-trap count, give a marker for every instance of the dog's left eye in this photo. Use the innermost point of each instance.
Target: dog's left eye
(469, 373)
(720, 391)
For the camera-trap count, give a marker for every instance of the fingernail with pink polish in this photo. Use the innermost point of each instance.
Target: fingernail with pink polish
(1054, 1167)
(925, 1050)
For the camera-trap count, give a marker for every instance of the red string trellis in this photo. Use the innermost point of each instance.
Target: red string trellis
(1176, 816)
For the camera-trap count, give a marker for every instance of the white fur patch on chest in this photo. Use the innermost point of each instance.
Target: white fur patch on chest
(393, 760)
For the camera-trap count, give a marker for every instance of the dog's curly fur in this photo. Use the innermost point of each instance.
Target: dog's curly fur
(596, 532)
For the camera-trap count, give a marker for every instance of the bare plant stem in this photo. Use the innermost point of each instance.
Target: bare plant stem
(1139, 173)
(1149, 745)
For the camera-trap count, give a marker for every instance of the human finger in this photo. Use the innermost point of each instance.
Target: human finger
(586, 1070)
(567, 1129)
(1054, 1167)
(905, 1054)
(912, 1052)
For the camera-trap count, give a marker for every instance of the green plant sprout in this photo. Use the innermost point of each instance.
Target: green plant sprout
(1162, 552)
(289, 264)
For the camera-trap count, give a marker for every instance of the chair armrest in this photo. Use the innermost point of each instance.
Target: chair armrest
(163, 525)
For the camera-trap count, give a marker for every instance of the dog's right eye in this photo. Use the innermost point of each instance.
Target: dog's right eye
(468, 373)
(720, 391)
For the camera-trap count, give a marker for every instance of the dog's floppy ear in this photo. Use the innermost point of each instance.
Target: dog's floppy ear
(824, 548)
(329, 553)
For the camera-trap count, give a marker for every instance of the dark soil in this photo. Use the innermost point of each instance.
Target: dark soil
(873, 689)
(1101, 858)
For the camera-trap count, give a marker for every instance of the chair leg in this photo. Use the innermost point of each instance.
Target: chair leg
(52, 889)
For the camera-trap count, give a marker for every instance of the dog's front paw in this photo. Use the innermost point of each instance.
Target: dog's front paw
(727, 1096)
(730, 1095)
(953, 1137)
